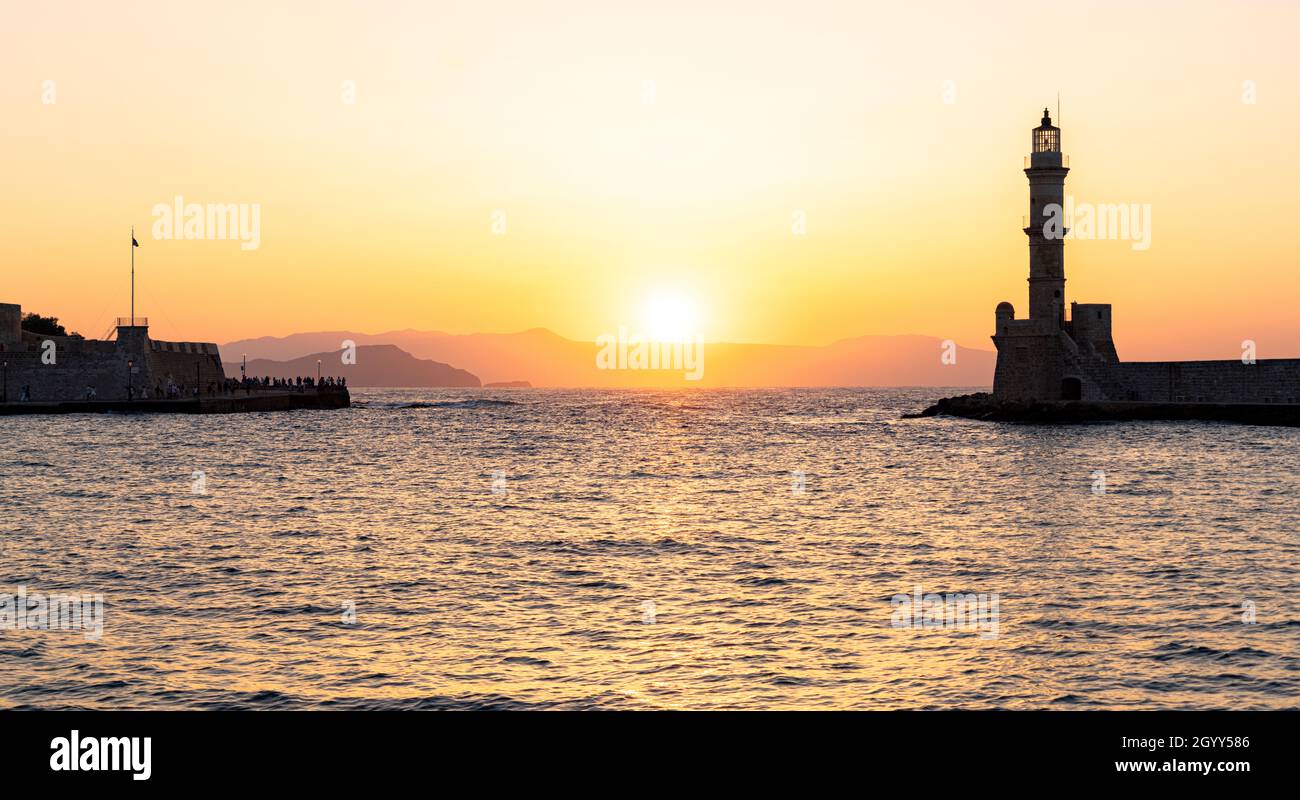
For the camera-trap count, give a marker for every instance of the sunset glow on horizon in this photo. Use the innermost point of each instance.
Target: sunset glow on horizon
(745, 172)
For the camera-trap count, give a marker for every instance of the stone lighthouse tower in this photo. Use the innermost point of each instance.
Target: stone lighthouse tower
(1033, 352)
(1046, 171)
(1044, 357)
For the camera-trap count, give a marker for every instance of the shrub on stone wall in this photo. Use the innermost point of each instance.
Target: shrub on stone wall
(35, 323)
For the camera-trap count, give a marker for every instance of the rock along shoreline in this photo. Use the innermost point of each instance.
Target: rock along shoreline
(982, 406)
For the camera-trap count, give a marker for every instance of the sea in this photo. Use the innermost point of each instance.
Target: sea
(621, 549)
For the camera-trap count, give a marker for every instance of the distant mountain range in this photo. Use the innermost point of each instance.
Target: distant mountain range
(545, 359)
(376, 365)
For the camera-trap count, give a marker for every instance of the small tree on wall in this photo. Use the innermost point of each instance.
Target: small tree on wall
(35, 323)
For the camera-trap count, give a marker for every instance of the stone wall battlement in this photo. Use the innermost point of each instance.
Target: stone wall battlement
(75, 367)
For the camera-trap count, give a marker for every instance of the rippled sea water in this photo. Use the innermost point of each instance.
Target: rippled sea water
(640, 549)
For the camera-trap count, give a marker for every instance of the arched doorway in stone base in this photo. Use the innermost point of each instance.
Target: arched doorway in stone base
(1071, 388)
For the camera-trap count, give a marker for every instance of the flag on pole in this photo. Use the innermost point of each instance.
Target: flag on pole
(134, 243)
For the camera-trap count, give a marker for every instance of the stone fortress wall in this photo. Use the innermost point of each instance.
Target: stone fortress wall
(1038, 363)
(1266, 381)
(11, 317)
(80, 363)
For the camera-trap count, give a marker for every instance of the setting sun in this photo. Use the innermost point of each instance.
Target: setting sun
(670, 315)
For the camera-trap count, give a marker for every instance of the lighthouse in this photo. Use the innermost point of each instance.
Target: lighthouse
(1042, 356)
(1047, 358)
(1046, 169)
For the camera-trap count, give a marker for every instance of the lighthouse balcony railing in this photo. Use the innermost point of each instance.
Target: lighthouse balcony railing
(132, 322)
(1047, 159)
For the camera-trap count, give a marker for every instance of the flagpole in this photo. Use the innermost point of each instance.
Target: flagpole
(133, 276)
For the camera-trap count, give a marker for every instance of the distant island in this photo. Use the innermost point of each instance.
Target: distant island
(545, 359)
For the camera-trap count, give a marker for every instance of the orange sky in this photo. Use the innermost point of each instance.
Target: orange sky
(378, 215)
